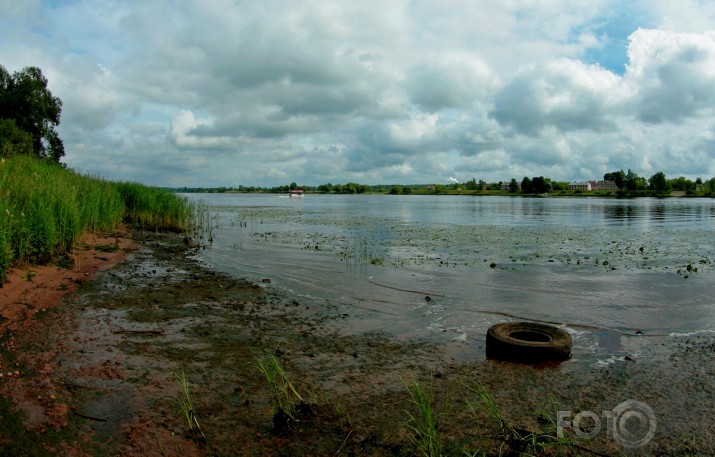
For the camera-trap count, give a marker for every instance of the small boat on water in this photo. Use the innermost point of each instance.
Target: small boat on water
(297, 194)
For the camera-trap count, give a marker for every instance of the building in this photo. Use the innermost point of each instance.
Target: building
(582, 186)
(603, 185)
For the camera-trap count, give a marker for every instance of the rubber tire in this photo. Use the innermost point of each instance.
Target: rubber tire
(545, 343)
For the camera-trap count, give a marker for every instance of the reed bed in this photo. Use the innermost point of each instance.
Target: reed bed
(44, 209)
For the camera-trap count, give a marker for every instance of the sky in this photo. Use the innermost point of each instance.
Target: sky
(265, 93)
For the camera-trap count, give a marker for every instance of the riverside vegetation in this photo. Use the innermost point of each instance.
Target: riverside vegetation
(44, 208)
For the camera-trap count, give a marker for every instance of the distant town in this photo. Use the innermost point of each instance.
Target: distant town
(617, 184)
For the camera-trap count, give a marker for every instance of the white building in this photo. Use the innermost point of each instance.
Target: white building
(582, 186)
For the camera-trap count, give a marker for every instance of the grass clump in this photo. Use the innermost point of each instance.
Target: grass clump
(285, 399)
(515, 440)
(44, 209)
(424, 424)
(185, 404)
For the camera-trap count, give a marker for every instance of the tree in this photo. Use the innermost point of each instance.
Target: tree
(658, 183)
(634, 182)
(526, 185)
(619, 177)
(513, 185)
(25, 98)
(540, 185)
(13, 141)
(682, 183)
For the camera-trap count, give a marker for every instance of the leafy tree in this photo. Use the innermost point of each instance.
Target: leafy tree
(395, 190)
(406, 190)
(25, 98)
(540, 185)
(471, 185)
(682, 183)
(526, 185)
(634, 182)
(659, 183)
(513, 185)
(13, 141)
(619, 177)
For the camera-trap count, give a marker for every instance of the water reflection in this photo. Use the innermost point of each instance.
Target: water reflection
(646, 211)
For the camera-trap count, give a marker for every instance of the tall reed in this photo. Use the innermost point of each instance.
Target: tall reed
(44, 208)
(156, 209)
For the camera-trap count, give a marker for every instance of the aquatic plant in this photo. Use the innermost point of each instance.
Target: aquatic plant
(155, 209)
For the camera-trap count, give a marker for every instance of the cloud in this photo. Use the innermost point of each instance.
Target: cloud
(456, 82)
(672, 74)
(257, 93)
(565, 94)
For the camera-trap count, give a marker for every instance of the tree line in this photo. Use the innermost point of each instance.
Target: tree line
(29, 114)
(627, 183)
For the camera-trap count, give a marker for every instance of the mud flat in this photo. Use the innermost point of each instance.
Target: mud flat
(97, 375)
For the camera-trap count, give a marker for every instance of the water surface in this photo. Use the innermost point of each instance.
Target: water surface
(620, 275)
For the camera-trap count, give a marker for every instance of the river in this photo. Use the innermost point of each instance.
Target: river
(621, 275)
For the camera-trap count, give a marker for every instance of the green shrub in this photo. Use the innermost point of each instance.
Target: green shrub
(44, 208)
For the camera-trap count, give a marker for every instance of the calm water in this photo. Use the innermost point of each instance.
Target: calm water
(607, 269)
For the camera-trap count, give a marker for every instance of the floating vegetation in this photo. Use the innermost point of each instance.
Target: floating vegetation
(384, 241)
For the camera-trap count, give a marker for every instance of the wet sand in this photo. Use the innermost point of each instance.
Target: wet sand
(97, 375)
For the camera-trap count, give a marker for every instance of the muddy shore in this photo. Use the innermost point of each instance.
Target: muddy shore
(97, 375)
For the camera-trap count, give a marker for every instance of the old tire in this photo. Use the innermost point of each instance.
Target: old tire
(528, 342)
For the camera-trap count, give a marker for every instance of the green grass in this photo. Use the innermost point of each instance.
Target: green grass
(284, 397)
(515, 440)
(44, 209)
(423, 425)
(185, 404)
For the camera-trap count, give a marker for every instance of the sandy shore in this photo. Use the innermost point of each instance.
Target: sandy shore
(94, 373)
(34, 289)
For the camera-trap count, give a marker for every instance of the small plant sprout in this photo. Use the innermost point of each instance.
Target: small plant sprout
(517, 440)
(424, 424)
(185, 405)
(284, 397)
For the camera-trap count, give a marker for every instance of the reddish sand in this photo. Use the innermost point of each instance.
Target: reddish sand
(32, 289)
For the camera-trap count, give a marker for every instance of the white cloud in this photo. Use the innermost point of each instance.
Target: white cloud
(672, 74)
(565, 94)
(255, 93)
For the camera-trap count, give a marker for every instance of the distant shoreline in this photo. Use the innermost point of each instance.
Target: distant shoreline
(475, 193)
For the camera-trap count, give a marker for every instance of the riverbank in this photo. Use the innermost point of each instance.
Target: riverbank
(96, 375)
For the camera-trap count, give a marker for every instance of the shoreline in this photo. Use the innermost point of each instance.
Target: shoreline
(36, 288)
(98, 374)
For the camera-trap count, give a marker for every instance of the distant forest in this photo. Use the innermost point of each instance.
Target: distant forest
(628, 184)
